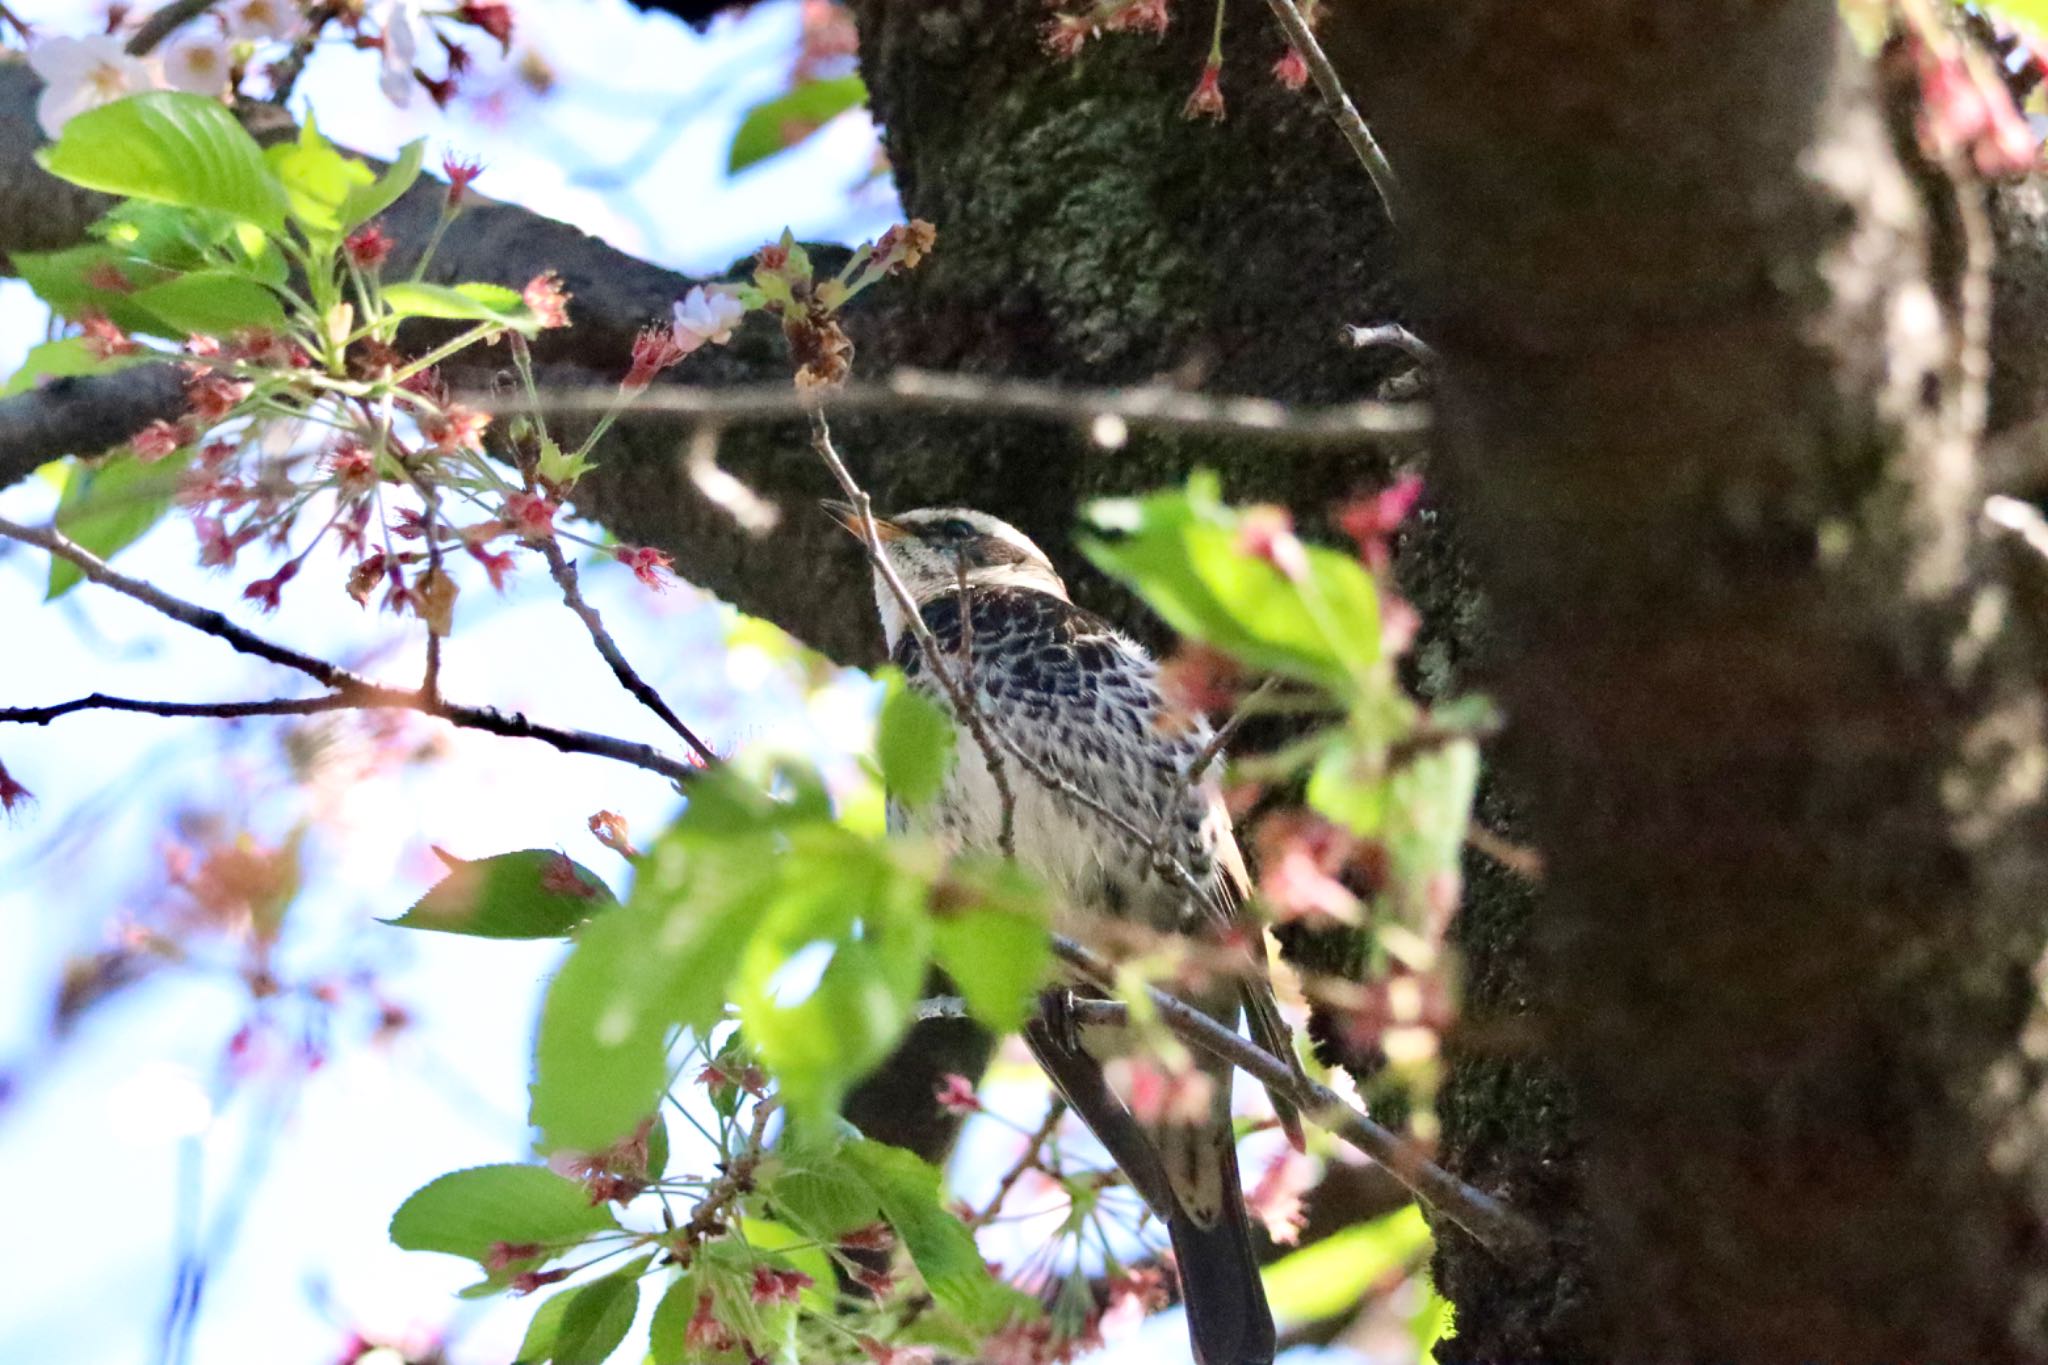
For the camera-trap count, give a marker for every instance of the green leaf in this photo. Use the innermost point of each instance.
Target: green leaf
(1348, 785)
(997, 949)
(215, 302)
(66, 358)
(538, 1345)
(1183, 551)
(534, 893)
(108, 506)
(318, 181)
(908, 1190)
(71, 282)
(768, 127)
(913, 742)
(461, 303)
(601, 1059)
(1429, 801)
(820, 1198)
(366, 202)
(599, 1315)
(466, 1213)
(831, 973)
(1332, 1276)
(668, 1330)
(173, 148)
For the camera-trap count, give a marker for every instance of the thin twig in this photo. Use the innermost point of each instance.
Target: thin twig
(164, 22)
(215, 710)
(564, 572)
(1519, 859)
(356, 691)
(285, 72)
(1031, 1159)
(958, 691)
(202, 619)
(1339, 106)
(360, 696)
(708, 1217)
(911, 390)
(1394, 336)
(753, 513)
(1492, 1224)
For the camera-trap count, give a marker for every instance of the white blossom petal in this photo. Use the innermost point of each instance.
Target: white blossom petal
(85, 73)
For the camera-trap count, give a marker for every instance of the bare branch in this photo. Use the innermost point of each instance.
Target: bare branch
(959, 691)
(912, 390)
(350, 690)
(1342, 112)
(217, 710)
(164, 22)
(203, 619)
(1498, 1228)
(84, 415)
(564, 572)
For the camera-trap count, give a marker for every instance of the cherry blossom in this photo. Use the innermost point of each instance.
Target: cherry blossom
(1207, 99)
(85, 73)
(198, 65)
(400, 24)
(706, 315)
(261, 21)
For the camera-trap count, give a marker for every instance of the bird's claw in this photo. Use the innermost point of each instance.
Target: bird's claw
(1056, 1011)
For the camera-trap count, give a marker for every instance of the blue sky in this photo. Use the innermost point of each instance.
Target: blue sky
(100, 1132)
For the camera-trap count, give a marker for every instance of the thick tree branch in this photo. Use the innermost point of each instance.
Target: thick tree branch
(350, 690)
(86, 414)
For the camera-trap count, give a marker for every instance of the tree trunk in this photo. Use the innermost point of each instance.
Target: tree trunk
(1710, 415)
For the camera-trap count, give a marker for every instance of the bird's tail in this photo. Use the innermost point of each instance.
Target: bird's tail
(1228, 1321)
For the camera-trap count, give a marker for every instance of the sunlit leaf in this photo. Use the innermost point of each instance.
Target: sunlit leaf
(534, 893)
(538, 1345)
(908, 1189)
(598, 1317)
(819, 1197)
(834, 967)
(74, 282)
(461, 303)
(215, 302)
(466, 1213)
(171, 147)
(318, 181)
(108, 506)
(366, 202)
(913, 742)
(777, 124)
(1188, 555)
(1332, 1276)
(997, 950)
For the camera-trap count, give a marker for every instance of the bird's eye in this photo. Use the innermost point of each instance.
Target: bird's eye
(956, 528)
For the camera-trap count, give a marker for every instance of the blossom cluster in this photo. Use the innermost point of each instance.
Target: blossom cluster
(254, 47)
(1067, 32)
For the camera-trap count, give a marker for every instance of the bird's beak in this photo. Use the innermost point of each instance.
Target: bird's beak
(847, 515)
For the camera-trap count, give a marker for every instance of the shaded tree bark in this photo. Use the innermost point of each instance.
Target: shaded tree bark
(1782, 731)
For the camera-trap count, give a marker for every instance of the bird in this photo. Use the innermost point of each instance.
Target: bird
(1061, 690)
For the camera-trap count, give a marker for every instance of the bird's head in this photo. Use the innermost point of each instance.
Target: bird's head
(933, 548)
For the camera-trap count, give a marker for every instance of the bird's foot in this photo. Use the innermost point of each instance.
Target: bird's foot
(1062, 1024)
